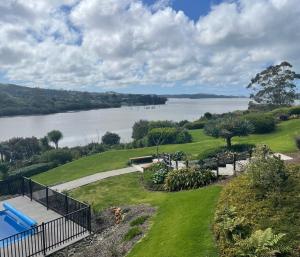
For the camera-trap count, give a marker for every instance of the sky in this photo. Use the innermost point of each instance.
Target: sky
(146, 46)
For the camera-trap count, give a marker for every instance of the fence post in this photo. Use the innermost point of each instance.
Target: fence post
(89, 219)
(30, 188)
(43, 239)
(66, 204)
(47, 197)
(217, 167)
(234, 164)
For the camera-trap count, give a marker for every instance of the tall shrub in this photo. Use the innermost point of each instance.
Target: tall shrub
(262, 123)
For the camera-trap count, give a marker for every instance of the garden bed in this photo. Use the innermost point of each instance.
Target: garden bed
(115, 232)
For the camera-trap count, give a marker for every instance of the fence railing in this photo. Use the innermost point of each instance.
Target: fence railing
(51, 199)
(44, 238)
(12, 186)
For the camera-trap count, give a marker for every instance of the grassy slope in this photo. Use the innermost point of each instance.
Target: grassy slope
(182, 225)
(282, 140)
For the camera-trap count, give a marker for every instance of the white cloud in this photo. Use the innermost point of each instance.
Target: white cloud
(119, 43)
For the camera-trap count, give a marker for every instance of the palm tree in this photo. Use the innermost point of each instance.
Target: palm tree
(55, 136)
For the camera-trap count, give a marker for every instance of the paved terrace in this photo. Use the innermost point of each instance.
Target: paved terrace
(55, 231)
(32, 209)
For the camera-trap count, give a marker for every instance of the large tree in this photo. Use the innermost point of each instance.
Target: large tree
(55, 136)
(140, 129)
(110, 139)
(274, 85)
(228, 128)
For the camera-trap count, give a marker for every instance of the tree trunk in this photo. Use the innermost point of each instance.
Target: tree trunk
(56, 145)
(228, 141)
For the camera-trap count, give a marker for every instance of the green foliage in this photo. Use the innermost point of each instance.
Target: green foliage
(183, 136)
(162, 124)
(262, 123)
(274, 85)
(139, 221)
(182, 123)
(111, 139)
(195, 125)
(57, 156)
(267, 173)
(208, 115)
(262, 243)
(178, 156)
(229, 227)
(154, 176)
(140, 129)
(33, 169)
(177, 180)
(159, 176)
(294, 110)
(132, 233)
(4, 170)
(19, 148)
(261, 213)
(55, 136)
(228, 128)
(159, 136)
(17, 100)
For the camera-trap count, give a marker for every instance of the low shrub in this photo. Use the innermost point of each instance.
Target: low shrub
(195, 125)
(168, 136)
(139, 221)
(237, 148)
(152, 180)
(267, 173)
(260, 214)
(33, 169)
(57, 156)
(294, 110)
(159, 176)
(132, 233)
(262, 123)
(177, 180)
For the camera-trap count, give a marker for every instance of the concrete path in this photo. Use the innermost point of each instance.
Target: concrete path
(92, 178)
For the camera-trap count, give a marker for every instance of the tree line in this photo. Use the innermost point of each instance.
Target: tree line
(18, 100)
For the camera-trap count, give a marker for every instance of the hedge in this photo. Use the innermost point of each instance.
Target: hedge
(262, 123)
(32, 170)
(195, 125)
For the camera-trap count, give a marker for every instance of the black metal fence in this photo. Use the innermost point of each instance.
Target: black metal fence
(45, 238)
(12, 186)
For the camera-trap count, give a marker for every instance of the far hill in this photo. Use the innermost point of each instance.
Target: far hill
(200, 96)
(19, 100)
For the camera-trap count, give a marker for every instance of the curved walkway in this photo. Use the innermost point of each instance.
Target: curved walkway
(92, 178)
(228, 170)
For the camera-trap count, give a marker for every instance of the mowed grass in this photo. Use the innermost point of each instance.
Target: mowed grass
(282, 140)
(182, 226)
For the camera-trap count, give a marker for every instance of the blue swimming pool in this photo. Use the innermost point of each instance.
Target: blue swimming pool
(13, 222)
(9, 225)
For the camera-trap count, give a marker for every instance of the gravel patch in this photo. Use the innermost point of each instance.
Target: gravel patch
(107, 239)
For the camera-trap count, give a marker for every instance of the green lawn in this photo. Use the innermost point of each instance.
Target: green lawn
(282, 140)
(182, 226)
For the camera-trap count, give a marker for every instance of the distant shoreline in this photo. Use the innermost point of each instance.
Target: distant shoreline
(201, 96)
(118, 107)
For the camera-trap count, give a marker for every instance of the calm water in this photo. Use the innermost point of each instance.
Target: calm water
(80, 128)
